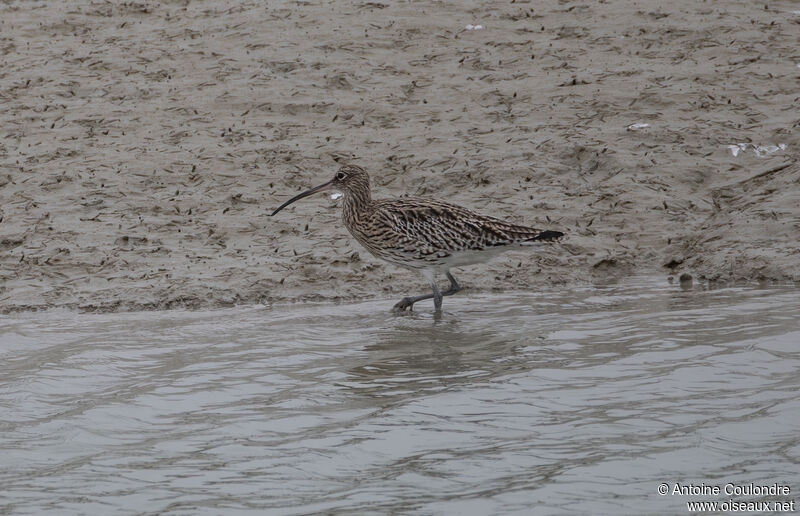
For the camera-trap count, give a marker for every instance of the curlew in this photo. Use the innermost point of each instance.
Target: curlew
(427, 236)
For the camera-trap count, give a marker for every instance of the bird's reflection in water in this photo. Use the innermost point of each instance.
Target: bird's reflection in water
(418, 355)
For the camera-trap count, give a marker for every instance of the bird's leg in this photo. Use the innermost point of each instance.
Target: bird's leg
(437, 298)
(454, 286)
(408, 302)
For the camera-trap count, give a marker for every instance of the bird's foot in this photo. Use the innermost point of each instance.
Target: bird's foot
(403, 305)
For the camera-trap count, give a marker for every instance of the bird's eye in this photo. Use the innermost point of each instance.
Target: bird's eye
(340, 176)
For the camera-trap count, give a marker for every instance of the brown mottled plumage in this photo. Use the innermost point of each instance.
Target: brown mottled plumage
(424, 235)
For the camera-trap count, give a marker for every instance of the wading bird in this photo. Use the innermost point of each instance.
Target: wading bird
(427, 236)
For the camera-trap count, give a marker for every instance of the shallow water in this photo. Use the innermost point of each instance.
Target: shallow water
(569, 401)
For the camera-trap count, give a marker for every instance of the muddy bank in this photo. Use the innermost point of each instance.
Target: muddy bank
(143, 144)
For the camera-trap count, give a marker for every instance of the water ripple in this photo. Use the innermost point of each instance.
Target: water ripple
(572, 401)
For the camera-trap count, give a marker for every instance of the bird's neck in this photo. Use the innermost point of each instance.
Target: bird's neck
(357, 199)
(356, 203)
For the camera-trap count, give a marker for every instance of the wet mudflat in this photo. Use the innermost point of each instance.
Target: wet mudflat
(143, 144)
(578, 400)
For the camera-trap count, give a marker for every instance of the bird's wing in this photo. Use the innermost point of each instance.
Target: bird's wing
(450, 228)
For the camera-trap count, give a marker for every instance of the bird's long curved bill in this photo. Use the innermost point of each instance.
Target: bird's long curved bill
(320, 188)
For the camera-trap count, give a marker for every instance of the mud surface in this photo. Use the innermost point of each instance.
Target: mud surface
(142, 144)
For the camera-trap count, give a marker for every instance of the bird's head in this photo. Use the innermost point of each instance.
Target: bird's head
(351, 180)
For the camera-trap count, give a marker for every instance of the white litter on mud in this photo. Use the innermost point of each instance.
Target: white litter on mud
(336, 195)
(638, 125)
(759, 150)
(474, 27)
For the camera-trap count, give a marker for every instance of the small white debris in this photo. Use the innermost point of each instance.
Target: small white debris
(336, 195)
(759, 150)
(639, 125)
(474, 27)
(734, 149)
(763, 150)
